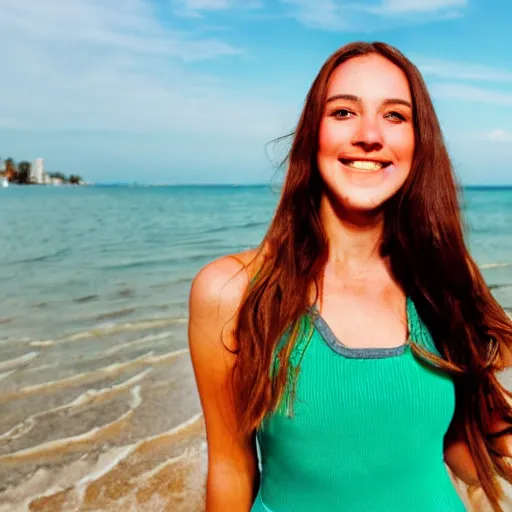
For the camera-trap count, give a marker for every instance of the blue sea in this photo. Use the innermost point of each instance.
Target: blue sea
(98, 408)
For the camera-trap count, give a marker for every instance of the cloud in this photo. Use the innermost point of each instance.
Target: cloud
(462, 71)
(323, 14)
(131, 26)
(415, 6)
(498, 135)
(465, 92)
(352, 16)
(194, 8)
(93, 65)
(211, 5)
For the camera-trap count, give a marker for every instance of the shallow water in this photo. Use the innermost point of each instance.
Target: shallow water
(98, 407)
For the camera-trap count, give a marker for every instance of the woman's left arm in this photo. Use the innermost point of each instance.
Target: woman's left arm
(457, 453)
(501, 430)
(458, 458)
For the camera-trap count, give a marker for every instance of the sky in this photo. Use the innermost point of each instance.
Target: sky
(195, 91)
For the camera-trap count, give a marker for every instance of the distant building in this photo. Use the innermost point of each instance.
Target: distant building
(37, 171)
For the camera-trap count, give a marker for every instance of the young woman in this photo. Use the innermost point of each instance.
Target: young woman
(358, 344)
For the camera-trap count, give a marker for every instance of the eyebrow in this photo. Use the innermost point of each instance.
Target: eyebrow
(355, 99)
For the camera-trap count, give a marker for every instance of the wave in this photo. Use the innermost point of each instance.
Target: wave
(166, 357)
(131, 265)
(140, 341)
(204, 252)
(6, 374)
(200, 234)
(90, 397)
(73, 444)
(84, 482)
(17, 361)
(168, 284)
(167, 335)
(39, 259)
(42, 343)
(245, 225)
(495, 265)
(147, 444)
(115, 314)
(112, 329)
(83, 378)
(86, 298)
(129, 474)
(499, 286)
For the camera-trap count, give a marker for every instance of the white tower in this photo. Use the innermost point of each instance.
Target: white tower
(37, 171)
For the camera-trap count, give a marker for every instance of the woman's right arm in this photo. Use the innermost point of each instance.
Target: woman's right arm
(216, 292)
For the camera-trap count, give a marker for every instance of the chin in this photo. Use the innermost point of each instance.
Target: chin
(366, 196)
(361, 204)
(362, 200)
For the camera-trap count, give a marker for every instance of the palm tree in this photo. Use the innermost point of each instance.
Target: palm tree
(23, 172)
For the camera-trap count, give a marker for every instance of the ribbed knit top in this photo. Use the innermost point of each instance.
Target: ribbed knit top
(366, 434)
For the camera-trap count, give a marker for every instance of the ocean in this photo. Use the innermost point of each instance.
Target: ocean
(98, 406)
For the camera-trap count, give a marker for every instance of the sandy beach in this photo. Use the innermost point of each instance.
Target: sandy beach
(127, 461)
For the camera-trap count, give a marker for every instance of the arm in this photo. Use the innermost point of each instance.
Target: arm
(501, 426)
(457, 456)
(457, 453)
(216, 292)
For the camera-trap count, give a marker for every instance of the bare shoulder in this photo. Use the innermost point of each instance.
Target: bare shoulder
(217, 291)
(222, 279)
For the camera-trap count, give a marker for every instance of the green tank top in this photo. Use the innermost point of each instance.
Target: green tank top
(366, 434)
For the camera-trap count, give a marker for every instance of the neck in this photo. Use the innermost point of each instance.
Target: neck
(354, 237)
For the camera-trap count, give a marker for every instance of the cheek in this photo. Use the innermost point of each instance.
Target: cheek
(324, 139)
(403, 145)
(330, 139)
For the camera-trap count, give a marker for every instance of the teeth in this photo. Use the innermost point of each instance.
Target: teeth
(365, 165)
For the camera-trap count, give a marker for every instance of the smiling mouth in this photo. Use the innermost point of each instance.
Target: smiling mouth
(364, 165)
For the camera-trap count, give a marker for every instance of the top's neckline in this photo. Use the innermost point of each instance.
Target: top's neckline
(359, 352)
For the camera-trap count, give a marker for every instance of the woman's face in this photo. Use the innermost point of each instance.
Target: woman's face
(366, 139)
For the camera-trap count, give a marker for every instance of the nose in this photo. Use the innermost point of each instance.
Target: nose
(368, 135)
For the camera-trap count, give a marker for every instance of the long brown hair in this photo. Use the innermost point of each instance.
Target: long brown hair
(424, 239)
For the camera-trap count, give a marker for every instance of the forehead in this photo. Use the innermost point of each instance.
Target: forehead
(369, 77)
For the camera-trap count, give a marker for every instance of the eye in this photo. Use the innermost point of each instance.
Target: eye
(342, 113)
(395, 116)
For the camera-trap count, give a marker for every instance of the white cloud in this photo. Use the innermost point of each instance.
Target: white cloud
(465, 92)
(194, 8)
(352, 16)
(130, 26)
(92, 65)
(406, 6)
(499, 135)
(323, 14)
(212, 5)
(462, 71)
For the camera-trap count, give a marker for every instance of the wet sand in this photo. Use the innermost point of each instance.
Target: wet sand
(103, 420)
